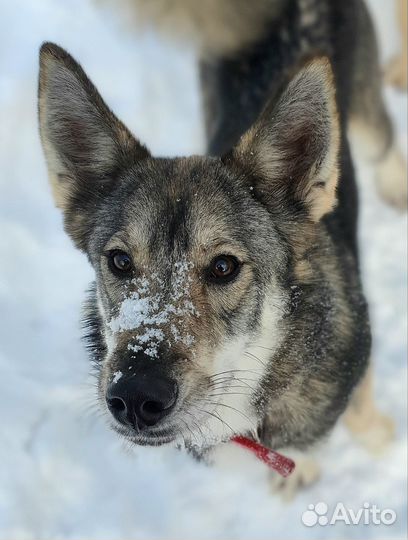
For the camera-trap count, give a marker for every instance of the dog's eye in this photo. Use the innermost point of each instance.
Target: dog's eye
(223, 268)
(120, 262)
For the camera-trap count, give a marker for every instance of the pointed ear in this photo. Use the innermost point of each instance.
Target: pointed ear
(292, 150)
(85, 145)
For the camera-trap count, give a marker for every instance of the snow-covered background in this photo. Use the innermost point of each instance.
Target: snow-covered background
(63, 474)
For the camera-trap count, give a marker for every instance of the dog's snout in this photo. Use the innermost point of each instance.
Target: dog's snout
(141, 401)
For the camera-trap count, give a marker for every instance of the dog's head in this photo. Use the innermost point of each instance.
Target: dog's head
(194, 257)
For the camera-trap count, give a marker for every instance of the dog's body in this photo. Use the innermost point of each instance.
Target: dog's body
(397, 69)
(248, 50)
(228, 297)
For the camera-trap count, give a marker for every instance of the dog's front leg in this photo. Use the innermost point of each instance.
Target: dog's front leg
(369, 426)
(306, 473)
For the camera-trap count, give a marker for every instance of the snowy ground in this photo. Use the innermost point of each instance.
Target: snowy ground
(63, 474)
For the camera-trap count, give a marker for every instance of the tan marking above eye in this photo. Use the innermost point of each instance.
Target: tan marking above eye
(117, 242)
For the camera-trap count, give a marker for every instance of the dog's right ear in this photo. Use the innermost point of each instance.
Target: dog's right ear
(85, 145)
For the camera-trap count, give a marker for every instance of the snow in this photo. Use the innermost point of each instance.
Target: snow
(117, 375)
(146, 309)
(63, 473)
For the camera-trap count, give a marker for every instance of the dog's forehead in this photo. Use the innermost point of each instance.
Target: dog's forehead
(180, 206)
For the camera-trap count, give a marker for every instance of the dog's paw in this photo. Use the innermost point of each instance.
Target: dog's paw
(306, 473)
(391, 179)
(375, 435)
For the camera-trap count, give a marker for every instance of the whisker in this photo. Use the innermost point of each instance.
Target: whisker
(233, 378)
(217, 418)
(230, 394)
(196, 425)
(262, 347)
(228, 386)
(190, 431)
(254, 371)
(229, 407)
(246, 353)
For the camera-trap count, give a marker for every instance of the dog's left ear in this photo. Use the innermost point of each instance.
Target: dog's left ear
(85, 145)
(291, 152)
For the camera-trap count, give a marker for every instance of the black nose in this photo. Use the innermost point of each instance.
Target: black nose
(141, 400)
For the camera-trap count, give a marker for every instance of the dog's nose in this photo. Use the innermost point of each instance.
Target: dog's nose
(141, 400)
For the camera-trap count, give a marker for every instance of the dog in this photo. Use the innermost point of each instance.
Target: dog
(227, 297)
(396, 72)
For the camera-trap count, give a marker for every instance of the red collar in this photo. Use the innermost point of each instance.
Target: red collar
(279, 463)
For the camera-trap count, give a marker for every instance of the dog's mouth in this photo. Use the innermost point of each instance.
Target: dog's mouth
(153, 440)
(147, 437)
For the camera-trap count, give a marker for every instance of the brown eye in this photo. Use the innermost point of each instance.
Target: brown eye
(223, 269)
(120, 262)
